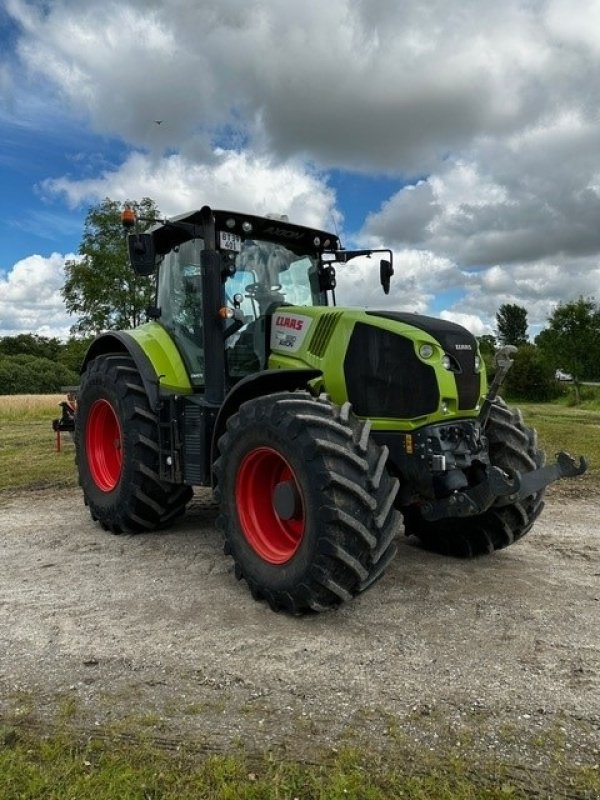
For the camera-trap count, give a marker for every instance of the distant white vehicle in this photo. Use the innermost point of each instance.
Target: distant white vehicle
(560, 375)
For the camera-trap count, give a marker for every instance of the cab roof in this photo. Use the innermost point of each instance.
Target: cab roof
(248, 226)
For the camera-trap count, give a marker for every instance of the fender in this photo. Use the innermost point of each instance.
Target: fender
(262, 383)
(121, 342)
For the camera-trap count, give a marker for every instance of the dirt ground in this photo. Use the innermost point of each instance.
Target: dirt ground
(498, 657)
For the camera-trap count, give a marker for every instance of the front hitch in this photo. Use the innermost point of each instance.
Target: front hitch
(502, 489)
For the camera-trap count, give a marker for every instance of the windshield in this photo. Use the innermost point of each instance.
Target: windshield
(267, 275)
(270, 274)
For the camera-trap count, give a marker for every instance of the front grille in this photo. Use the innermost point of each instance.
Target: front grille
(449, 335)
(323, 332)
(385, 378)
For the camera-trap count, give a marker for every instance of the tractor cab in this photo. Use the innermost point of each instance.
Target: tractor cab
(222, 274)
(257, 276)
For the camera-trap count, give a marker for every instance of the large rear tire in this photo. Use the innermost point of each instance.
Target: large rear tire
(306, 502)
(513, 446)
(116, 440)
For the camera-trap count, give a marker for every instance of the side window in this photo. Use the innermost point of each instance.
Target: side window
(245, 350)
(180, 302)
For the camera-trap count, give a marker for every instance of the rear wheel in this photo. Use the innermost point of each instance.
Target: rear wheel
(306, 502)
(513, 446)
(116, 438)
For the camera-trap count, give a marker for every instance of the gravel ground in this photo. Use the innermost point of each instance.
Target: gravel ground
(498, 658)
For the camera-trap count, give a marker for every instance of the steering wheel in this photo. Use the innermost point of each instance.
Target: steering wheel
(256, 290)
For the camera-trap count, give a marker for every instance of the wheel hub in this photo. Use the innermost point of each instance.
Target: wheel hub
(286, 500)
(270, 505)
(103, 445)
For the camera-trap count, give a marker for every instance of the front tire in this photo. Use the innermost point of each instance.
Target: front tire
(513, 446)
(116, 440)
(306, 503)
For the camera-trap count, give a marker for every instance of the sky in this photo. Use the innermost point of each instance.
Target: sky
(463, 136)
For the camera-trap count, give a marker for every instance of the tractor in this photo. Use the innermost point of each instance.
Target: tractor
(320, 428)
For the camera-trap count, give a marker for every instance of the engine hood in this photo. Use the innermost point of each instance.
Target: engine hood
(448, 334)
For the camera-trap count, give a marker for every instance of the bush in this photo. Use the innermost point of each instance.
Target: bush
(530, 377)
(31, 375)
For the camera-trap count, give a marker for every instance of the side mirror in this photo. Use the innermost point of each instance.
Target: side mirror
(142, 253)
(327, 281)
(385, 273)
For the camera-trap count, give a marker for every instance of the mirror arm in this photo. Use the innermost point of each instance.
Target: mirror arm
(346, 255)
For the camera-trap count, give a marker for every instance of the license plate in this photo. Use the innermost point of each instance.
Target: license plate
(230, 241)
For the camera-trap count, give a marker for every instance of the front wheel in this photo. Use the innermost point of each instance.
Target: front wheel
(306, 502)
(117, 451)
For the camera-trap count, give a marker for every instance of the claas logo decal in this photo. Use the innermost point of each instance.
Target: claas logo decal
(289, 322)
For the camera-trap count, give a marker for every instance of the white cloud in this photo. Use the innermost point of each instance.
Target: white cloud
(418, 277)
(232, 180)
(30, 297)
(490, 108)
(472, 322)
(538, 287)
(365, 84)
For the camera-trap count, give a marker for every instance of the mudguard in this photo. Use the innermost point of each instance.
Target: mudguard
(155, 355)
(261, 383)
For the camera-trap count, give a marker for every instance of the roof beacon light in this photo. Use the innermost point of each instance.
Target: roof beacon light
(128, 217)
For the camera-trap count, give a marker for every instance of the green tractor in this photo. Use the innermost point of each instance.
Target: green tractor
(319, 427)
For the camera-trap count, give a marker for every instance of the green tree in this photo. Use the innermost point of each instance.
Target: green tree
(487, 344)
(73, 352)
(100, 287)
(487, 348)
(25, 374)
(511, 320)
(30, 344)
(531, 377)
(572, 340)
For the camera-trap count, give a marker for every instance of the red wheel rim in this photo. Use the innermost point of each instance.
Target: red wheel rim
(103, 445)
(274, 538)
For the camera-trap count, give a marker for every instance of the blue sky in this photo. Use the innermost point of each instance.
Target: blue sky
(465, 137)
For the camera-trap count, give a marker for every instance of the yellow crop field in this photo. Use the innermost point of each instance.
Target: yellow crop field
(30, 405)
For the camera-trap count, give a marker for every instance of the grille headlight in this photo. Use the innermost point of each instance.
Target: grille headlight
(477, 363)
(446, 363)
(426, 351)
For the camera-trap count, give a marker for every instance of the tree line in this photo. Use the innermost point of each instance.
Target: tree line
(570, 343)
(32, 364)
(102, 292)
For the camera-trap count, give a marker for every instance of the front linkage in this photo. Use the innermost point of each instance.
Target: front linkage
(498, 487)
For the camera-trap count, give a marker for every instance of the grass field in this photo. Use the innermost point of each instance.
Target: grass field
(575, 430)
(28, 458)
(59, 768)
(63, 766)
